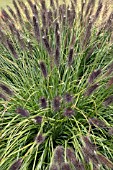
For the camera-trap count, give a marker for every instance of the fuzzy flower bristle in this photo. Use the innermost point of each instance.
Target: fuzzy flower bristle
(91, 89)
(22, 112)
(68, 97)
(94, 75)
(43, 69)
(38, 119)
(46, 44)
(70, 57)
(89, 145)
(110, 131)
(105, 161)
(70, 154)
(36, 28)
(59, 155)
(97, 122)
(43, 102)
(12, 49)
(56, 103)
(16, 165)
(68, 112)
(40, 138)
(66, 166)
(57, 56)
(89, 156)
(53, 167)
(6, 89)
(108, 101)
(2, 96)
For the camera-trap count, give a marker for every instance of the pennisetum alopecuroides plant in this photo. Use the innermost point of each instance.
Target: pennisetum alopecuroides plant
(56, 86)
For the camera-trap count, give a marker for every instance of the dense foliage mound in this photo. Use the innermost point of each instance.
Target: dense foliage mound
(56, 86)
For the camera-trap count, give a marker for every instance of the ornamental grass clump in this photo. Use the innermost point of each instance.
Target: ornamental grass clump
(56, 95)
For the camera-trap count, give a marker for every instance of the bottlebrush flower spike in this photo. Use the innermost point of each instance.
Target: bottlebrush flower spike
(70, 57)
(91, 89)
(57, 56)
(68, 112)
(22, 112)
(54, 167)
(12, 49)
(97, 122)
(66, 166)
(2, 96)
(68, 97)
(108, 100)
(43, 69)
(70, 154)
(56, 103)
(44, 22)
(43, 102)
(88, 144)
(110, 82)
(16, 165)
(58, 39)
(59, 155)
(94, 75)
(46, 44)
(40, 138)
(43, 4)
(6, 89)
(88, 156)
(110, 131)
(104, 161)
(36, 28)
(38, 119)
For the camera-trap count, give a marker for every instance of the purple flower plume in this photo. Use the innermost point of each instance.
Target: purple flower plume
(16, 165)
(22, 112)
